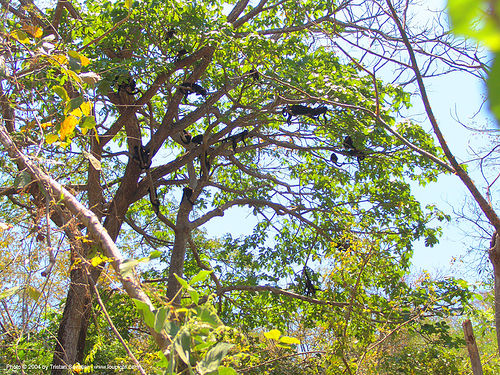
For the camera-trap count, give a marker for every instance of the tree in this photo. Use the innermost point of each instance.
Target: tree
(133, 125)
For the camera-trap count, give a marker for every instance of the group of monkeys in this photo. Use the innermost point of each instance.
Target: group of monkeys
(141, 155)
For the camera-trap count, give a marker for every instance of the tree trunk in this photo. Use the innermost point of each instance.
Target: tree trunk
(70, 343)
(179, 251)
(494, 254)
(470, 340)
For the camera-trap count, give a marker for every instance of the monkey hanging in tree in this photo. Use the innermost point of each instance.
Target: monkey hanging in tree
(234, 139)
(302, 110)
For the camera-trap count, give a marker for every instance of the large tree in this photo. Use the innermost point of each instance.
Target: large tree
(130, 126)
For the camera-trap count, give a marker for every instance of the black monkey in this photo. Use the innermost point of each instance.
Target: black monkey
(153, 198)
(352, 150)
(181, 53)
(189, 88)
(254, 74)
(204, 158)
(309, 287)
(170, 33)
(234, 139)
(198, 139)
(127, 84)
(187, 193)
(334, 158)
(186, 137)
(303, 110)
(142, 156)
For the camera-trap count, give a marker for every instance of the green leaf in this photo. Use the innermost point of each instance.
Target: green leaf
(183, 282)
(213, 358)
(127, 267)
(155, 254)
(9, 292)
(145, 311)
(226, 371)
(200, 276)
(61, 92)
(128, 4)
(161, 317)
(172, 328)
(73, 104)
(33, 293)
(273, 334)
(195, 296)
(208, 316)
(86, 123)
(182, 345)
(493, 84)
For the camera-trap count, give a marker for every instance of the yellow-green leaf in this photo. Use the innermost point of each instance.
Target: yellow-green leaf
(61, 92)
(289, 340)
(33, 293)
(273, 334)
(51, 138)
(86, 108)
(20, 36)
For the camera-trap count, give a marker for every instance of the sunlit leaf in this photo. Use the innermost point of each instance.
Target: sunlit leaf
(200, 276)
(9, 292)
(273, 334)
(33, 293)
(35, 31)
(289, 340)
(68, 126)
(51, 138)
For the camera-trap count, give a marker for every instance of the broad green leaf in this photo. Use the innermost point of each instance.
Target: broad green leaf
(73, 104)
(86, 123)
(145, 311)
(182, 345)
(183, 282)
(226, 371)
(161, 317)
(61, 92)
(9, 292)
(155, 254)
(172, 327)
(200, 276)
(213, 358)
(128, 4)
(195, 296)
(208, 316)
(493, 84)
(273, 334)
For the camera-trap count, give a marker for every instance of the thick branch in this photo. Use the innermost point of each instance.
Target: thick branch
(265, 288)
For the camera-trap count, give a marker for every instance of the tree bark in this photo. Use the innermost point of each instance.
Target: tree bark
(494, 254)
(470, 340)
